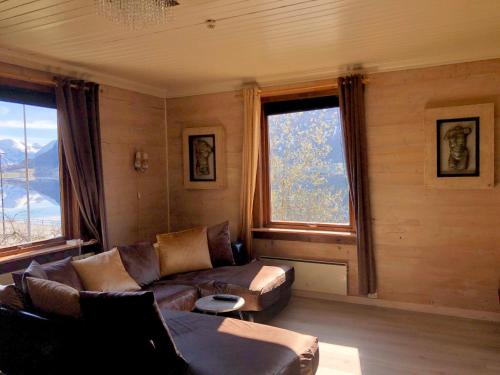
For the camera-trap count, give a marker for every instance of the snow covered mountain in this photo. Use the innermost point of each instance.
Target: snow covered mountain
(13, 151)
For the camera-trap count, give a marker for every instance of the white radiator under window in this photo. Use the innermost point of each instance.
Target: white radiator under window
(315, 276)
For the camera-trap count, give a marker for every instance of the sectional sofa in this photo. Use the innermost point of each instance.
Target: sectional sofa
(154, 329)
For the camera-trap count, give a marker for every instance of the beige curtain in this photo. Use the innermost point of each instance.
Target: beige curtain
(251, 146)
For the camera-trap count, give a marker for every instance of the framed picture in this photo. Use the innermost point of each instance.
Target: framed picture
(460, 147)
(204, 157)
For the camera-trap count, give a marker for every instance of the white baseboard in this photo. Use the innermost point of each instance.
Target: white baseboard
(430, 309)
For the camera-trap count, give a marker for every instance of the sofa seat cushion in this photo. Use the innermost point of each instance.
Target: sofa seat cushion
(173, 296)
(259, 284)
(217, 345)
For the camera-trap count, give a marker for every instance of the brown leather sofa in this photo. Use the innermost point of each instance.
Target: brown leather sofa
(266, 289)
(33, 343)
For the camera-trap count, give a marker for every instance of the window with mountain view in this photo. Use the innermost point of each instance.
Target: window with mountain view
(307, 182)
(29, 170)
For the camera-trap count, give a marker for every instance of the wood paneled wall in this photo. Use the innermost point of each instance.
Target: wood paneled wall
(137, 203)
(432, 246)
(205, 207)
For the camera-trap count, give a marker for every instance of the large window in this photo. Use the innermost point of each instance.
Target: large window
(304, 165)
(30, 208)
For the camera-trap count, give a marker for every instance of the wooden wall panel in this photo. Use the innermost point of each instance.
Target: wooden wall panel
(205, 207)
(137, 203)
(433, 246)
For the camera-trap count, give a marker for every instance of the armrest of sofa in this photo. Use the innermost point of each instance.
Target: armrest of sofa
(239, 253)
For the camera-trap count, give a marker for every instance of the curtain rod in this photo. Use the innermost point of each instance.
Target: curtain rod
(35, 80)
(301, 88)
(40, 81)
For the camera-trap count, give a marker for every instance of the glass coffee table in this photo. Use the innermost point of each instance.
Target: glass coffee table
(209, 305)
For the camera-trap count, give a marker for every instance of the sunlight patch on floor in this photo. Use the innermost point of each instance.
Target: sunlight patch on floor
(338, 360)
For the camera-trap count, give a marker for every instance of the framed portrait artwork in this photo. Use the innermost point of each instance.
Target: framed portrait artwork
(460, 147)
(204, 157)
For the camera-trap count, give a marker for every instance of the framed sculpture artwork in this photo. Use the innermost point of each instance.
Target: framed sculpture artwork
(460, 147)
(204, 157)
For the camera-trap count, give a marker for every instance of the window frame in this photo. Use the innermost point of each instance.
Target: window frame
(43, 95)
(292, 103)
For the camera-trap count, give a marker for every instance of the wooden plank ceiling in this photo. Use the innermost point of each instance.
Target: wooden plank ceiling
(269, 41)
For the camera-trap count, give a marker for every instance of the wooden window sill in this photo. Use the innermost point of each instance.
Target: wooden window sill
(303, 235)
(14, 262)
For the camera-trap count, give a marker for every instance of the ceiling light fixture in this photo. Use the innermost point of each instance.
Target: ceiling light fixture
(135, 14)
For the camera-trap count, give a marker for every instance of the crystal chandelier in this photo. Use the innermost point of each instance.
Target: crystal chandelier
(136, 14)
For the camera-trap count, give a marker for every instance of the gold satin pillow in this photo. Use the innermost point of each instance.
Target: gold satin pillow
(54, 298)
(183, 251)
(105, 272)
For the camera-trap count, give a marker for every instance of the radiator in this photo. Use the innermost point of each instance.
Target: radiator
(315, 276)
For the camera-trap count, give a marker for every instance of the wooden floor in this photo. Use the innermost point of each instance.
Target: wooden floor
(358, 339)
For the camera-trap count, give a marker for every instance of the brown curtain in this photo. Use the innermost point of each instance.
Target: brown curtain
(78, 118)
(251, 146)
(352, 111)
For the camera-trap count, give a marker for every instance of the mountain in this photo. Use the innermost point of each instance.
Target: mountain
(13, 151)
(43, 149)
(46, 161)
(43, 160)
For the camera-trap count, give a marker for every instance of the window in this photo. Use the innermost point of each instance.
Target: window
(305, 182)
(30, 188)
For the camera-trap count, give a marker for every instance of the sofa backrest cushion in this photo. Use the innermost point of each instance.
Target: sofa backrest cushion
(53, 298)
(219, 245)
(132, 317)
(141, 262)
(105, 272)
(183, 251)
(61, 271)
(11, 296)
(33, 270)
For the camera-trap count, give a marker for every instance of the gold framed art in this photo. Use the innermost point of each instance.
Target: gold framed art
(204, 161)
(460, 147)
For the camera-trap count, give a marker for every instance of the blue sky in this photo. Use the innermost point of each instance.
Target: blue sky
(41, 123)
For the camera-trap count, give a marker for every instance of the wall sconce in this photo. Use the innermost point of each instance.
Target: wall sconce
(141, 162)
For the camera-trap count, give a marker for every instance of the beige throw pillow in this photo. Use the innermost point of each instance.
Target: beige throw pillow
(54, 298)
(183, 251)
(105, 272)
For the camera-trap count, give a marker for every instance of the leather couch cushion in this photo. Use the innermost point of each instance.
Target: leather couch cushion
(33, 270)
(141, 262)
(134, 317)
(173, 296)
(219, 245)
(61, 271)
(260, 285)
(216, 345)
(11, 296)
(105, 272)
(183, 251)
(51, 297)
